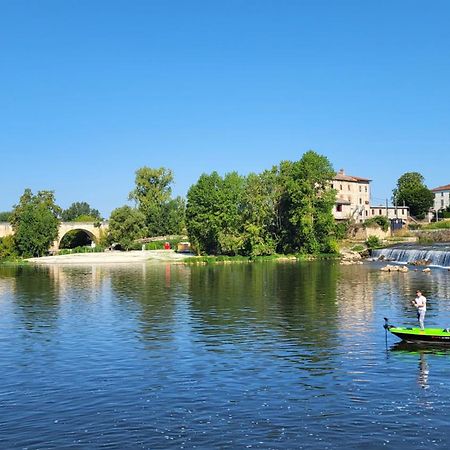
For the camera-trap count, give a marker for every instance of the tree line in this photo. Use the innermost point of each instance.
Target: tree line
(285, 209)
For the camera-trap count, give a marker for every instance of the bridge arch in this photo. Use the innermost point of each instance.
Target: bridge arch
(78, 237)
(94, 231)
(89, 228)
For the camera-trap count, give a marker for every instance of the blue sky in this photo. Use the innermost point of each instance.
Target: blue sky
(91, 90)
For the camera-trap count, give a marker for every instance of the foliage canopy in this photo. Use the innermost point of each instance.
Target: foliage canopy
(287, 209)
(126, 224)
(35, 223)
(80, 210)
(152, 195)
(412, 191)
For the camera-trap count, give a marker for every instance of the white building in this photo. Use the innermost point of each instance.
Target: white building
(441, 197)
(353, 201)
(391, 212)
(353, 197)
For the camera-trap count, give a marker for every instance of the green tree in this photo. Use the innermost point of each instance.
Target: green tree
(307, 202)
(80, 210)
(260, 208)
(7, 248)
(214, 214)
(126, 224)
(202, 213)
(35, 223)
(173, 216)
(5, 216)
(152, 194)
(230, 234)
(412, 192)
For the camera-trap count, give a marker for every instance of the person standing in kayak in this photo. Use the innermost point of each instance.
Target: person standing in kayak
(420, 302)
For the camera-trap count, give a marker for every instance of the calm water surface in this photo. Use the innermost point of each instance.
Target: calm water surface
(264, 355)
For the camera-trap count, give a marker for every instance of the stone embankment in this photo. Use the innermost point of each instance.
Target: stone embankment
(442, 235)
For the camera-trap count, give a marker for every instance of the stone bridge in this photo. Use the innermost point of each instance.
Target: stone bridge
(92, 231)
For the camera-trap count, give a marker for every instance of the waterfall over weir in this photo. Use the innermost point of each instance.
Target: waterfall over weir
(437, 254)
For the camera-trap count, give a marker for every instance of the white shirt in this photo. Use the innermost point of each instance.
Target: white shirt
(421, 303)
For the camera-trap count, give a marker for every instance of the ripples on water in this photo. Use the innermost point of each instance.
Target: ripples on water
(237, 356)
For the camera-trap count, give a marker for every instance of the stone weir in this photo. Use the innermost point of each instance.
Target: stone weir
(437, 255)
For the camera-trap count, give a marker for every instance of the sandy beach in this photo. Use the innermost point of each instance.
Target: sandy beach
(112, 257)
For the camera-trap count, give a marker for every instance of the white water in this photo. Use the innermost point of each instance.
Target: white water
(437, 255)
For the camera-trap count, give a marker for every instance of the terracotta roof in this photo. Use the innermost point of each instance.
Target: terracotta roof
(441, 188)
(342, 177)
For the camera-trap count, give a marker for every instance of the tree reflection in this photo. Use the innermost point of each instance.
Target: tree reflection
(150, 292)
(290, 300)
(36, 297)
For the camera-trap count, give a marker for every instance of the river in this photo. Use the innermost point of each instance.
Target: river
(265, 355)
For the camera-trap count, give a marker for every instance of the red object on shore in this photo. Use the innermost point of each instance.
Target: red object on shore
(166, 246)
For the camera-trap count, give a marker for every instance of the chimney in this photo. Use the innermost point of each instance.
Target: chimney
(341, 171)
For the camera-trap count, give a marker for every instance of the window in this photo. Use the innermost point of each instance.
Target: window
(365, 188)
(360, 189)
(360, 201)
(349, 187)
(379, 212)
(340, 187)
(373, 212)
(339, 208)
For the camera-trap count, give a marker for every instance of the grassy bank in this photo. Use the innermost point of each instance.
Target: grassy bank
(247, 259)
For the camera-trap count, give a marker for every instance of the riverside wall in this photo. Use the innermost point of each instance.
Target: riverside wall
(442, 235)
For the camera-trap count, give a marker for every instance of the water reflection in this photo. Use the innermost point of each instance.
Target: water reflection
(421, 353)
(233, 356)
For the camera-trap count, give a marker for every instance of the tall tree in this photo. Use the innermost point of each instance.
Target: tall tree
(152, 193)
(35, 223)
(79, 210)
(260, 208)
(307, 204)
(412, 192)
(202, 213)
(126, 224)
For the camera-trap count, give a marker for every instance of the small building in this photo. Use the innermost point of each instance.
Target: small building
(391, 212)
(441, 197)
(352, 198)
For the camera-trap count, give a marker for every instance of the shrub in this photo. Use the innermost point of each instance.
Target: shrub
(83, 249)
(441, 225)
(342, 229)
(7, 249)
(381, 221)
(373, 242)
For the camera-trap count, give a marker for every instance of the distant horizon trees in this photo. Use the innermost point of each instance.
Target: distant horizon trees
(80, 211)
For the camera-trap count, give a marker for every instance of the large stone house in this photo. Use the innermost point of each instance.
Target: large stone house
(353, 197)
(441, 197)
(353, 201)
